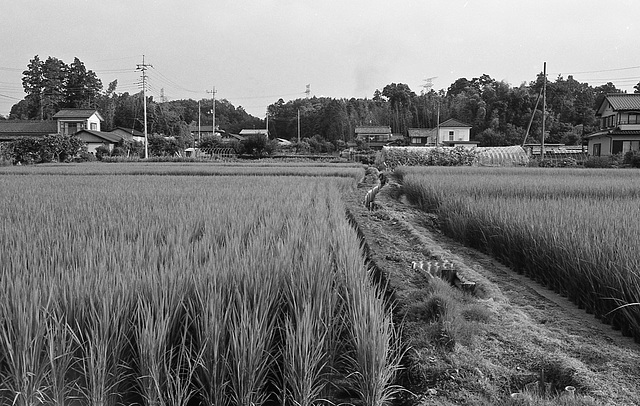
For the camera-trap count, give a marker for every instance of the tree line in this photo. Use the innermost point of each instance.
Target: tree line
(498, 112)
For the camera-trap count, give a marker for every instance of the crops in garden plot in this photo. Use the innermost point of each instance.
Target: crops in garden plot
(165, 290)
(576, 231)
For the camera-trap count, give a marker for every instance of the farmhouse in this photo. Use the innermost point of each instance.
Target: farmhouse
(70, 121)
(84, 123)
(453, 133)
(128, 134)
(12, 129)
(374, 137)
(423, 136)
(619, 132)
(198, 132)
(95, 139)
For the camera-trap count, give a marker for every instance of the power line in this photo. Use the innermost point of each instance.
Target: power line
(9, 97)
(604, 70)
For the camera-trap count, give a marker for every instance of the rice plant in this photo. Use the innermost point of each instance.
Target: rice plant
(164, 290)
(575, 231)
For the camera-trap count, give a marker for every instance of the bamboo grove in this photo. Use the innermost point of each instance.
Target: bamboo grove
(176, 290)
(575, 231)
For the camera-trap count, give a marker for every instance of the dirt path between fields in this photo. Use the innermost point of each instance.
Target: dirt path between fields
(533, 328)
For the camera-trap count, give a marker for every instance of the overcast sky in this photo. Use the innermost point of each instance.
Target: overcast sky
(255, 52)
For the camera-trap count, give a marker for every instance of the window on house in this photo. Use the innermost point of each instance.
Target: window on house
(596, 149)
(617, 147)
(94, 126)
(451, 135)
(72, 128)
(608, 121)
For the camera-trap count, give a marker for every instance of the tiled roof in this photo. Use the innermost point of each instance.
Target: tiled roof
(624, 101)
(422, 132)
(101, 134)
(614, 131)
(76, 113)
(454, 123)
(130, 131)
(254, 132)
(28, 127)
(373, 129)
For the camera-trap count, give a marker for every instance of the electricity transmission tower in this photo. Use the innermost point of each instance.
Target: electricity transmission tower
(143, 67)
(428, 84)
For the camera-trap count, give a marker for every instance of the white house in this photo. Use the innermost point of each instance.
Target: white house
(454, 133)
(619, 132)
(70, 121)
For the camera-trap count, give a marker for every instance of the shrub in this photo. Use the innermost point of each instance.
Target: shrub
(599, 162)
(102, 151)
(632, 158)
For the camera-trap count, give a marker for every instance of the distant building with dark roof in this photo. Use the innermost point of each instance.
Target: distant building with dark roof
(128, 134)
(12, 129)
(619, 131)
(250, 132)
(95, 139)
(373, 136)
(423, 136)
(84, 123)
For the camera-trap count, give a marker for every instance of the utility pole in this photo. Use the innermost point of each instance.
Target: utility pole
(438, 126)
(298, 126)
(544, 109)
(199, 121)
(143, 67)
(213, 93)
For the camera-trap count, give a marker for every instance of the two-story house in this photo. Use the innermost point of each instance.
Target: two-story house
(83, 123)
(70, 121)
(453, 133)
(373, 136)
(619, 115)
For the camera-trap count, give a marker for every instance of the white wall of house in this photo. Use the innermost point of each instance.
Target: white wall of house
(454, 134)
(604, 145)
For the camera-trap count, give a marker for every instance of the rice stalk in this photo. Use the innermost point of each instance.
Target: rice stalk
(210, 308)
(252, 323)
(376, 355)
(23, 341)
(103, 340)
